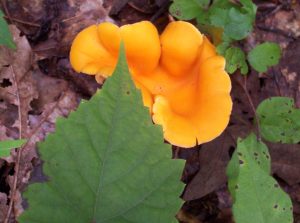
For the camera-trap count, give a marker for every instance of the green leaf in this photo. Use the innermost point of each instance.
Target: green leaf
(187, 10)
(224, 45)
(249, 8)
(7, 145)
(235, 59)
(264, 55)
(237, 22)
(257, 197)
(5, 35)
(279, 120)
(107, 162)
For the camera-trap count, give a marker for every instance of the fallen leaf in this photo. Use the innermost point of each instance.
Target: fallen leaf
(3, 205)
(49, 90)
(72, 17)
(22, 89)
(213, 158)
(285, 161)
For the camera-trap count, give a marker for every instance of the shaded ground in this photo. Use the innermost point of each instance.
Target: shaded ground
(37, 80)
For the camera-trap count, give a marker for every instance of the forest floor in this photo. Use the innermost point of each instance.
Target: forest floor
(37, 85)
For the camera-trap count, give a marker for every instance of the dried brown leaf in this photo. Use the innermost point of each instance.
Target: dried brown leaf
(213, 158)
(285, 161)
(3, 205)
(72, 17)
(22, 89)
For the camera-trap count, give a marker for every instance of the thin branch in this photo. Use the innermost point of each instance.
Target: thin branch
(277, 31)
(23, 22)
(160, 11)
(6, 10)
(132, 5)
(245, 89)
(19, 154)
(19, 151)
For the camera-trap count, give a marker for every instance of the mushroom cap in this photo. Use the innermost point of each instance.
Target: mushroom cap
(181, 77)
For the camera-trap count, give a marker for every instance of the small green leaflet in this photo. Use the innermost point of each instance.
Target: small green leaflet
(237, 22)
(224, 45)
(5, 35)
(7, 145)
(257, 197)
(107, 162)
(187, 10)
(279, 120)
(235, 59)
(264, 55)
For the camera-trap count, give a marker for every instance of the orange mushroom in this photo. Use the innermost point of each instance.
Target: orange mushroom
(182, 79)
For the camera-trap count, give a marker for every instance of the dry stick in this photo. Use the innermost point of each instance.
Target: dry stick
(160, 11)
(244, 86)
(277, 31)
(17, 166)
(45, 117)
(19, 151)
(132, 5)
(276, 82)
(23, 22)
(6, 10)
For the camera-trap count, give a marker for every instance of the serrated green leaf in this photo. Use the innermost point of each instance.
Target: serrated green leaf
(7, 145)
(249, 7)
(107, 162)
(224, 45)
(235, 59)
(279, 120)
(237, 22)
(5, 35)
(264, 55)
(187, 10)
(257, 197)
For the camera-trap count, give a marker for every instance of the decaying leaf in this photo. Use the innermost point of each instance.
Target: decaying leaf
(21, 89)
(285, 161)
(71, 17)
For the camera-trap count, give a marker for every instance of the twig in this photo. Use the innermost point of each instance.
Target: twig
(19, 151)
(277, 31)
(23, 22)
(264, 16)
(160, 11)
(276, 82)
(132, 5)
(244, 87)
(38, 126)
(6, 10)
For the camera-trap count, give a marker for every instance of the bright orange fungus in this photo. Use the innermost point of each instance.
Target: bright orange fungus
(181, 77)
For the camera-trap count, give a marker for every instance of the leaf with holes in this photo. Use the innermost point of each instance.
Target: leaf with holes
(5, 35)
(279, 120)
(107, 162)
(257, 197)
(7, 145)
(264, 56)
